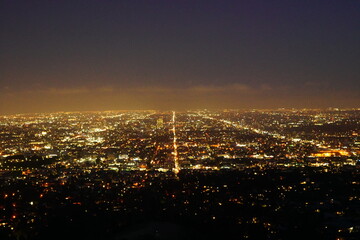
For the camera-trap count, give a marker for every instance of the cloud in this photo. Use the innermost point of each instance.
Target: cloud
(315, 84)
(266, 87)
(64, 91)
(152, 89)
(158, 97)
(214, 89)
(105, 89)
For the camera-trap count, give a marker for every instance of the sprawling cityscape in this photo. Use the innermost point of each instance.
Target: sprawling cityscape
(181, 119)
(238, 174)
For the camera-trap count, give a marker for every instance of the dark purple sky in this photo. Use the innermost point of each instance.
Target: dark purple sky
(106, 54)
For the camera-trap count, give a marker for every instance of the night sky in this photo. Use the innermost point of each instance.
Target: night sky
(106, 54)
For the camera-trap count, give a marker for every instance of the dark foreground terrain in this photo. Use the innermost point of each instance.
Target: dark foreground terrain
(294, 203)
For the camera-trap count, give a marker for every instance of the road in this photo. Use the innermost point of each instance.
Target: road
(176, 168)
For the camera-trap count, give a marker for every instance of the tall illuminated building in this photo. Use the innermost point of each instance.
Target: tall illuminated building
(160, 123)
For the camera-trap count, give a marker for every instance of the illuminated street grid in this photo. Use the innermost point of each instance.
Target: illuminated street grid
(242, 170)
(163, 141)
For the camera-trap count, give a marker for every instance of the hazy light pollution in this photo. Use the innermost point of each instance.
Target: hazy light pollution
(102, 55)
